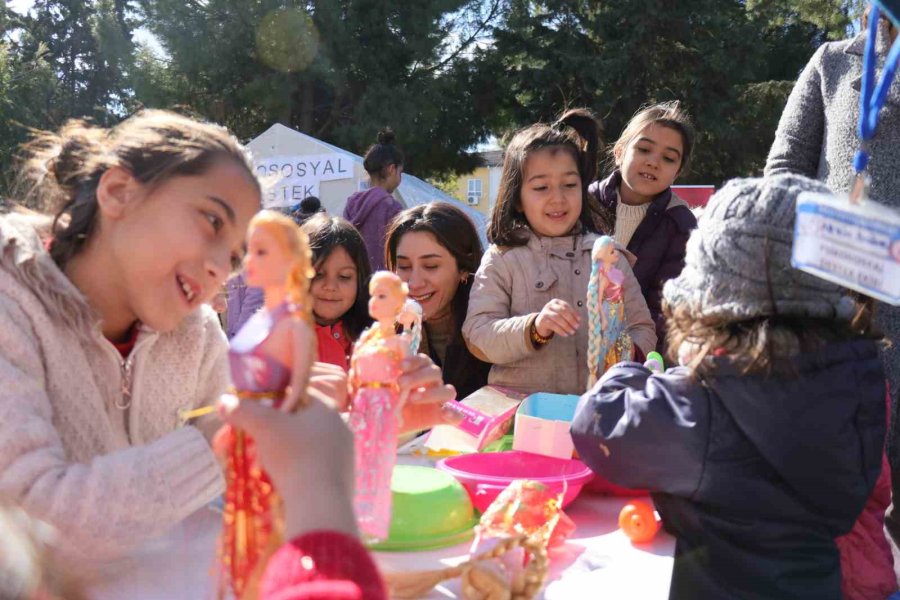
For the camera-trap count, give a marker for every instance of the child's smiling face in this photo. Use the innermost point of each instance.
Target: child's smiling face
(650, 163)
(334, 286)
(168, 248)
(551, 195)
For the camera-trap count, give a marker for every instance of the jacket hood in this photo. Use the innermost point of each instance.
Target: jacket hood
(817, 418)
(23, 256)
(361, 204)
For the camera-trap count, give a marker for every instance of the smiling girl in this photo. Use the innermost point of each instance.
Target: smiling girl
(105, 338)
(636, 206)
(339, 288)
(527, 311)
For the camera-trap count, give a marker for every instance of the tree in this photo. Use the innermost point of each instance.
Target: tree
(719, 57)
(24, 76)
(338, 70)
(87, 43)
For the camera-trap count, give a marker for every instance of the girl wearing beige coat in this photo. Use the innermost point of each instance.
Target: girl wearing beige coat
(514, 284)
(527, 309)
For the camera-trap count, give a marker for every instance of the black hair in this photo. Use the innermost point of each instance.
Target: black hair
(382, 154)
(577, 131)
(61, 170)
(327, 233)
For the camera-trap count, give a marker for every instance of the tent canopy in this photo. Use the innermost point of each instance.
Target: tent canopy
(280, 146)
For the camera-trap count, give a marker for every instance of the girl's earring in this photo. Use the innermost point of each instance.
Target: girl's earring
(464, 279)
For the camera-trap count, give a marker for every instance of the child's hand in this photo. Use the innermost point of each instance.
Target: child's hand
(311, 449)
(557, 316)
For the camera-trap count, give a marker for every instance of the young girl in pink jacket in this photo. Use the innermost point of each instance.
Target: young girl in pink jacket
(527, 310)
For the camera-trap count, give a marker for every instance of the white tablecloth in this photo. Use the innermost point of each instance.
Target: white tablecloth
(597, 561)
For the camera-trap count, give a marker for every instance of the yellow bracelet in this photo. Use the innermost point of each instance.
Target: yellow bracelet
(536, 338)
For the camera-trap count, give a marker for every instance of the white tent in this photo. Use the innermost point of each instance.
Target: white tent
(294, 165)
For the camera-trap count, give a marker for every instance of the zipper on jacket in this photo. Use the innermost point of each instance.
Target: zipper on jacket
(126, 366)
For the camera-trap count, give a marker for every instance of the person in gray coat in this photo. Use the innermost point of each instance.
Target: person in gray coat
(817, 137)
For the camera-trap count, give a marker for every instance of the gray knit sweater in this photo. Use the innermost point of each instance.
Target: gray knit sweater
(817, 137)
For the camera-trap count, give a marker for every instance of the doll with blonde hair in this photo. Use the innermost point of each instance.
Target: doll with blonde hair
(374, 418)
(270, 359)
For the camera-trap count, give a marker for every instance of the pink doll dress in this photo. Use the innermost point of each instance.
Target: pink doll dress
(374, 422)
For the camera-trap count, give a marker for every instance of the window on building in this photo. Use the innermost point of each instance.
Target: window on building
(474, 192)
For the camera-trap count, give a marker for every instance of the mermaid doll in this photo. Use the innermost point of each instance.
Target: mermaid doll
(374, 413)
(608, 343)
(270, 359)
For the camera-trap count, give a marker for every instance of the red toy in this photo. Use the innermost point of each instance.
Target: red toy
(638, 521)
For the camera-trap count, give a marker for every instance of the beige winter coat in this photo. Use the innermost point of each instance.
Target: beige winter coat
(511, 287)
(107, 478)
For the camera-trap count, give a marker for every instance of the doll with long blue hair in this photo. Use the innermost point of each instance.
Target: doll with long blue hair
(608, 343)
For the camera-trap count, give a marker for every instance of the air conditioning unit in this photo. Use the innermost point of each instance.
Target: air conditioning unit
(473, 200)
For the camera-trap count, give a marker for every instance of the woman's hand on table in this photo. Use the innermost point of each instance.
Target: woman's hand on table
(309, 455)
(424, 393)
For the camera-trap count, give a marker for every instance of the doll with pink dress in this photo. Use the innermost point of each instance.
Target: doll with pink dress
(374, 413)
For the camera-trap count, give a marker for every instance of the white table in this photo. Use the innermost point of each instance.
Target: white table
(597, 561)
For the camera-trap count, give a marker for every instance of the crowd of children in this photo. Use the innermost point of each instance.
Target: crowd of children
(761, 447)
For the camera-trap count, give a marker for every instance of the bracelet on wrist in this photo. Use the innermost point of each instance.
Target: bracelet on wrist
(536, 338)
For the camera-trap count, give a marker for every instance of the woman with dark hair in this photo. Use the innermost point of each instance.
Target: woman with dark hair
(435, 249)
(370, 211)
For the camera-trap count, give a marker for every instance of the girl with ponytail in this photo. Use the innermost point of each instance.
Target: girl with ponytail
(371, 210)
(105, 333)
(527, 303)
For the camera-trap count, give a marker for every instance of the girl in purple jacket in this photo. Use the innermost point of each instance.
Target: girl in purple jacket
(371, 211)
(636, 206)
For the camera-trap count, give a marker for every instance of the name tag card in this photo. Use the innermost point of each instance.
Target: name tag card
(855, 246)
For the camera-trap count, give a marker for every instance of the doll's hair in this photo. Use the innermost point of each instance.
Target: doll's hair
(59, 171)
(382, 154)
(292, 239)
(576, 132)
(327, 233)
(594, 305)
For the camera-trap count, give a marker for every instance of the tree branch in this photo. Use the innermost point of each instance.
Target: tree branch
(495, 8)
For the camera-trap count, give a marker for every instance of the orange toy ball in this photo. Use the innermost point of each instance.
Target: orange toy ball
(638, 522)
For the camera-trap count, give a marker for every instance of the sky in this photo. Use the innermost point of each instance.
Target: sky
(141, 35)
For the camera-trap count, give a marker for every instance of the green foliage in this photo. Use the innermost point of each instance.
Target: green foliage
(721, 58)
(337, 70)
(444, 74)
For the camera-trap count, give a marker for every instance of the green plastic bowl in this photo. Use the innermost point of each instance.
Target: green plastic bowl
(430, 509)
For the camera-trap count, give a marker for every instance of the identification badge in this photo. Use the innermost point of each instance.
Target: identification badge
(856, 246)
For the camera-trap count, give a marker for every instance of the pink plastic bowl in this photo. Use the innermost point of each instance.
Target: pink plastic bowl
(485, 475)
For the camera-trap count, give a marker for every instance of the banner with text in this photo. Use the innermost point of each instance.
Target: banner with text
(289, 179)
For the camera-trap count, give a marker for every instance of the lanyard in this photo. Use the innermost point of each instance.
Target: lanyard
(872, 97)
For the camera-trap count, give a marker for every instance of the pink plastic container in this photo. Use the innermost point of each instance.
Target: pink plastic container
(486, 475)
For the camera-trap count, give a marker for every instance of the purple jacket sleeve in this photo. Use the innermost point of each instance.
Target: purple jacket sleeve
(375, 230)
(243, 302)
(641, 430)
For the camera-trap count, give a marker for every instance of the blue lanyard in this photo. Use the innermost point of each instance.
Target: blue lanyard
(872, 97)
